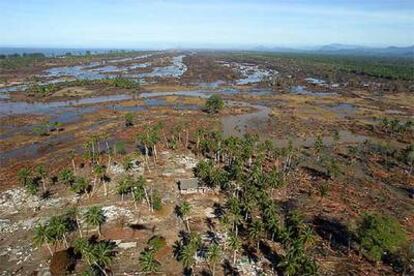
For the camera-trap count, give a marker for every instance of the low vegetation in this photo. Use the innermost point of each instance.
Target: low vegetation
(214, 104)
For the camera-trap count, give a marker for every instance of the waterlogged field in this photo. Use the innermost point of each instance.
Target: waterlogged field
(211, 163)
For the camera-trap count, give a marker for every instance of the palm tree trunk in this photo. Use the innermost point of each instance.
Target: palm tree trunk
(188, 225)
(109, 163)
(79, 227)
(49, 248)
(234, 257)
(65, 241)
(101, 269)
(99, 231)
(73, 165)
(198, 143)
(147, 199)
(93, 152)
(43, 184)
(155, 151)
(147, 158)
(95, 180)
(105, 189)
(153, 156)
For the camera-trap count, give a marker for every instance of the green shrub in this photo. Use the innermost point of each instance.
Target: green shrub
(66, 176)
(214, 104)
(42, 90)
(379, 235)
(156, 242)
(129, 119)
(156, 201)
(120, 82)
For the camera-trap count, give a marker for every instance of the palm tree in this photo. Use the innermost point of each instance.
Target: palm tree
(74, 214)
(72, 158)
(187, 256)
(182, 211)
(95, 216)
(41, 236)
(42, 173)
(80, 185)
(199, 135)
(318, 146)
(410, 160)
(103, 253)
(124, 186)
(213, 256)
(139, 192)
(234, 244)
(57, 227)
(234, 214)
(99, 172)
(274, 179)
(66, 177)
(147, 261)
(83, 247)
(272, 226)
(144, 139)
(255, 231)
(98, 255)
(27, 181)
(25, 176)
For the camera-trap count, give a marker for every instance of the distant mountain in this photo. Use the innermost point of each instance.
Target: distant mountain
(345, 49)
(339, 47)
(342, 49)
(274, 49)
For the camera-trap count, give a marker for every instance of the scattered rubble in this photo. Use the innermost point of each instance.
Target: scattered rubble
(15, 200)
(112, 213)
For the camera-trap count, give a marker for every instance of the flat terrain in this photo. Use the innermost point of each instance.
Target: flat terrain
(339, 134)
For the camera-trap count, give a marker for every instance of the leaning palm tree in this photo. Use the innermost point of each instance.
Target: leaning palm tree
(213, 256)
(182, 211)
(41, 236)
(98, 255)
(147, 261)
(95, 216)
(103, 253)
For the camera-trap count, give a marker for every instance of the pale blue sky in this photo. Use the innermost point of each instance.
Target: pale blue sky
(216, 23)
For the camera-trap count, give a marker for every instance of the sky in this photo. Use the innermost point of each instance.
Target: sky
(210, 24)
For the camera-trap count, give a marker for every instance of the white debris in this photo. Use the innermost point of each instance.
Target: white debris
(127, 245)
(209, 212)
(8, 227)
(18, 254)
(117, 169)
(15, 200)
(187, 161)
(113, 213)
(137, 166)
